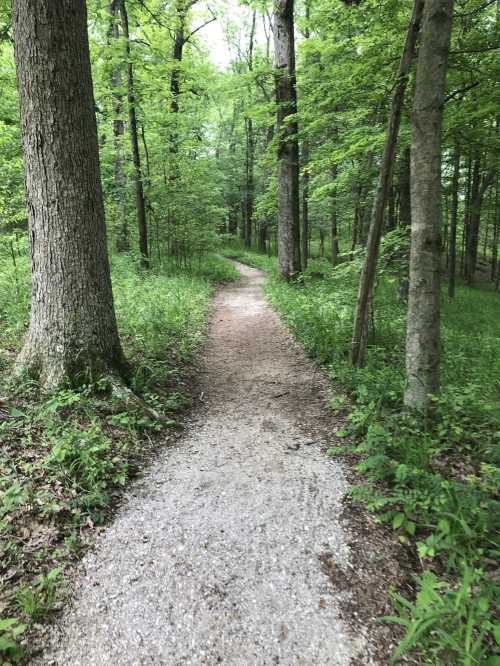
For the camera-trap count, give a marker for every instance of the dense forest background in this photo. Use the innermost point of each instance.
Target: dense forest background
(189, 155)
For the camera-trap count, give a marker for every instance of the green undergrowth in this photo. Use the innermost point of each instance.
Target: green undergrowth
(435, 482)
(65, 458)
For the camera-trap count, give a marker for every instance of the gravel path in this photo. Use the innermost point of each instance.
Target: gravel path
(215, 557)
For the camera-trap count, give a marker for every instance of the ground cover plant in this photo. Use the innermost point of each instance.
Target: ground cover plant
(437, 482)
(64, 458)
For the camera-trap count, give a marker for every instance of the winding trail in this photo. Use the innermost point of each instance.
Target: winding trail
(215, 557)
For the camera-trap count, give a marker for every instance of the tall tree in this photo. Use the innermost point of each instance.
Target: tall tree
(249, 149)
(423, 328)
(453, 221)
(288, 147)
(305, 176)
(134, 141)
(72, 333)
(365, 293)
(121, 225)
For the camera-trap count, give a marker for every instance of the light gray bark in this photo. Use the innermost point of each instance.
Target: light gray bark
(288, 148)
(72, 334)
(423, 329)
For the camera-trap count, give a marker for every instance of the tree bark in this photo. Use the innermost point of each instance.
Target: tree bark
(262, 236)
(480, 184)
(72, 335)
(249, 151)
(453, 222)
(122, 243)
(288, 148)
(305, 177)
(134, 141)
(249, 180)
(496, 234)
(305, 205)
(367, 281)
(423, 327)
(335, 240)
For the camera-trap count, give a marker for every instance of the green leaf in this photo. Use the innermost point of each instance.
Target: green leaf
(398, 520)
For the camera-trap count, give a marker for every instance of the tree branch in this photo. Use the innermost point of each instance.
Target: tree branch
(462, 91)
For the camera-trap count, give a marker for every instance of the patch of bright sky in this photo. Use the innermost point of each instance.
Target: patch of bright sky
(228, 32)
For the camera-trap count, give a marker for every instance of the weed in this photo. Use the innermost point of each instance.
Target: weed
(10, 651)
(38, 601)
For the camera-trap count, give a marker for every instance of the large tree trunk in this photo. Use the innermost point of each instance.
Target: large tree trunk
(134, 141)
(121, 227)
(453, 222)
(423, 329)
(72, 334)
(288, 148)
(367, 281)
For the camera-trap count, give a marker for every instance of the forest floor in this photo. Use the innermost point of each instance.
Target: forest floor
(237, 546)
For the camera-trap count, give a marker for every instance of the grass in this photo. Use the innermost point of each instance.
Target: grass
(65, 458)
(436, 483)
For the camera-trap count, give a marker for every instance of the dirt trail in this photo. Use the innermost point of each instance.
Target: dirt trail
(218, 554)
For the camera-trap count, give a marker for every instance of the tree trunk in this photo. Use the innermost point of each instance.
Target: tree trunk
(480, 184)
(249, 181)
(453, 222)
(365, 293)
(472, 236)
(305, 205)
(122, 243)
(72, 334)
(288, 148)
(134, 141)
(262, 236)
(423, 328)
(465, 226)
(496, 234)
(249, 151)
(305, 176)
(335, 240)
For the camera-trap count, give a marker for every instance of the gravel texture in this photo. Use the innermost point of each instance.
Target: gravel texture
(216, 556)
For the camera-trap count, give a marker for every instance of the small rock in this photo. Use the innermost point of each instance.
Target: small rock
(293, 446)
